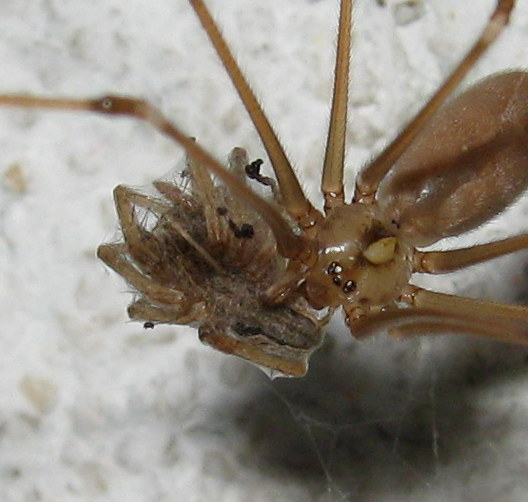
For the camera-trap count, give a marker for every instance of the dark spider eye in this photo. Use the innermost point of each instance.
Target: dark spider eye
(349, 286)
(336, 281)
(334, 268)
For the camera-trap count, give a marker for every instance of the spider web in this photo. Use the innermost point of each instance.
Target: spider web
(374, 429)
(385, 420)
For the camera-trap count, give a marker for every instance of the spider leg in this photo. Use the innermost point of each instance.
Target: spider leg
(115, 256)
(289, 244)
(486, 318)
(498, 331)
(257, 354)
(176, 195)
(215, 202)
(332, 181)
(370, 177)
(285, 286)
(439, 262)
(419, 321)
(142, 245)
(181, 313)
(137, 261)
(294, 199)
(204, 189)
(394, 319)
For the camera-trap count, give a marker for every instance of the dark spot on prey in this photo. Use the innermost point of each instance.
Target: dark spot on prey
(244, 231)
(253, 170)
(246, 330)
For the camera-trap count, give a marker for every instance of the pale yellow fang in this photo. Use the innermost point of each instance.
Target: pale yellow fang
(381, 251)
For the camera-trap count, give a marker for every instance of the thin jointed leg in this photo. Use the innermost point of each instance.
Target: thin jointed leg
(332, 182)
(439, 262)
(369, 178)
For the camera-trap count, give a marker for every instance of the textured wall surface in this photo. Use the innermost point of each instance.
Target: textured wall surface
(93, 407)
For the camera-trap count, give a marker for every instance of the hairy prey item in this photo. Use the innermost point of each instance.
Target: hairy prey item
(253, 273)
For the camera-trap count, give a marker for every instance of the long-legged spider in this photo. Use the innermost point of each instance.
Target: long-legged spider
(251, 272)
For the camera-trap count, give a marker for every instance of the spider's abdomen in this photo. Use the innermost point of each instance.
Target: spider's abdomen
(467, 165)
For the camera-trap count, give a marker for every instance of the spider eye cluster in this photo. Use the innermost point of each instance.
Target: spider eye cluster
(335, 270)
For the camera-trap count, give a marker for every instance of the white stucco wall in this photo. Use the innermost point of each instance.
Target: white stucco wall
(92, 407)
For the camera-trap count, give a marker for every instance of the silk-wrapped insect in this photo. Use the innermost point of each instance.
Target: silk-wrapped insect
(253, 273)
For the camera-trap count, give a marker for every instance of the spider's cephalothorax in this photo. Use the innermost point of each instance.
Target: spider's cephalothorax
(252, 272)
(360, 263)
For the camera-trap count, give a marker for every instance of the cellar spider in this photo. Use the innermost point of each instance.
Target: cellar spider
(253, 272)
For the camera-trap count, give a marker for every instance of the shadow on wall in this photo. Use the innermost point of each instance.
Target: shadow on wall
(377, 417)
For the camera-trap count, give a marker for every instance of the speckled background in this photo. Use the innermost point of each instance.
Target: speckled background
(92, 407)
